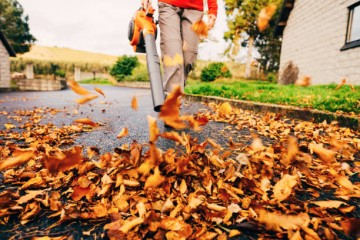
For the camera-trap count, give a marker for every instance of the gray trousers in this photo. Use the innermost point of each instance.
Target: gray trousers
(178, 44)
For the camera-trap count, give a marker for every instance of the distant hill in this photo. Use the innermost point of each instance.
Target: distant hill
(58, 54)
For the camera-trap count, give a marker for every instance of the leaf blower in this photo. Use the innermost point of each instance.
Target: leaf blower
(142, 35)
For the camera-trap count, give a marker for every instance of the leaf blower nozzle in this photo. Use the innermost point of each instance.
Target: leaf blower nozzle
(142, 36)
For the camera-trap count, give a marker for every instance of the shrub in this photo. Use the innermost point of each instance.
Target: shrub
(123, 67)
(214, 71)
(140, 74)
(289, 74)
(271, 77)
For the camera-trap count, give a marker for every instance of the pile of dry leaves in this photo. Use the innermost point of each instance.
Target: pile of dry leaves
(198, 190)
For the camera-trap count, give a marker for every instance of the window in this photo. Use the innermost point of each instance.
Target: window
(353, 28)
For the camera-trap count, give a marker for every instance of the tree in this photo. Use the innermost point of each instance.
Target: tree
(14, 24)
(243, 31)
(124, 67)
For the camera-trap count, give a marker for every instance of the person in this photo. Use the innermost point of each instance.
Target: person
(178, 42)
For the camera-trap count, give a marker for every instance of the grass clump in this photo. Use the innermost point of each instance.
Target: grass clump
(99, 81)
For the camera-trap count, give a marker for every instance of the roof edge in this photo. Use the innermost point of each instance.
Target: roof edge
(7, 45)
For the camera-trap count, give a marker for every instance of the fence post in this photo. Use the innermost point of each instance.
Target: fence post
(77, 74)
(29, 71)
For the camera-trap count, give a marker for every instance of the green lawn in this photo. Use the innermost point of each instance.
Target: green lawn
(99, 81)
(322, 97)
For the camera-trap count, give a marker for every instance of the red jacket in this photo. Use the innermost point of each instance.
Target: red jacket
(194, 4)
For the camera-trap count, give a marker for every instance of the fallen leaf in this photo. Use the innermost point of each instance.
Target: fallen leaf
(9, 126)
(283, 188)
(225, 109)
(62, 160)
(351, 226)
(154, 180)
(304, 82)
(341, 84)
(22, 156)
(86, 121)
(123, 133)
(329, 203)
(130, 224)
(29, 196)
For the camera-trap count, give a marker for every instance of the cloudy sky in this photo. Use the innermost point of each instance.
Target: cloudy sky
(99, 25)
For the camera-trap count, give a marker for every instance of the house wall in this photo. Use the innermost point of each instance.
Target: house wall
(313, 37)
(4, 67)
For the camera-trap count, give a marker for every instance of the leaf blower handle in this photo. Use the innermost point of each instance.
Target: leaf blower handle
(145, 4)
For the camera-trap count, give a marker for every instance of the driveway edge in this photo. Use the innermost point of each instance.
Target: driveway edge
(289, 111)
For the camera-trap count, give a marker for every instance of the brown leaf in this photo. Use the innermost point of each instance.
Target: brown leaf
(63, 160)
(50, 238)
(9, 126)
(324, 154)
(86, 99)
(123, 133)
(351, 226)
(29, 196)
(22, 156)
(283, 188)
(99, 91)
(179, 226)
(304, 82)
(77, 88)
(34, 182)
(134, 103)
(135, 153)
(265, 15)
(86, 121)
(352, 87)
(329, 203)
(154, 180)
(130, 224)
(278, 222)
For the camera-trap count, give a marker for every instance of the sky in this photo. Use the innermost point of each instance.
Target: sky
(101, 25)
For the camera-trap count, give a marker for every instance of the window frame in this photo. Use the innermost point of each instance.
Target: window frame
(354, 43)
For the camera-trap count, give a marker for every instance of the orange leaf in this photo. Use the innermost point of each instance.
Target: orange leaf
(77, 88)
(154, 180)
(30, 195)
(352, 87)
(200, 28)
(279, 222)
(153, 129)
(265, 15)
(341, 84)
(99, 91)
(170, 112)
(86, 99)
(79, 192)
(134, 103)
(20, 158)
(123, 133)
(9, 126)
(283, 188)
(304, 82)
(174, 136)
(324, 154)
(176, 60)
(183, 229)
(130, 224)
(351, 226)
(63, 160)
(329, 204)
(225, 109)
(86, 121)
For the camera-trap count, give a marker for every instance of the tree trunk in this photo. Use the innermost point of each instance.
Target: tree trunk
(249, 57)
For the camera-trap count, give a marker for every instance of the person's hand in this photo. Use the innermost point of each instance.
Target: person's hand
(145, 4)
(211, 21)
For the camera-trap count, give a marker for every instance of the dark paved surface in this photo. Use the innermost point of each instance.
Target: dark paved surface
(114, 111)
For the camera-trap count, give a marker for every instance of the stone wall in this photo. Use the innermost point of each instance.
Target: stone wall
(312, 39)
(4, 67)
(41, 84)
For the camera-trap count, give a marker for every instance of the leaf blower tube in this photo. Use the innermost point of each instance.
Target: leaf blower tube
(142, 36)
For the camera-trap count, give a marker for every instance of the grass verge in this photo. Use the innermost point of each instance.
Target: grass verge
(321, 97)
(99, 81)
